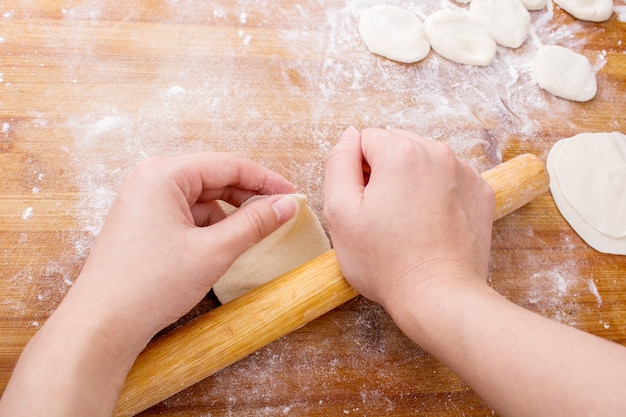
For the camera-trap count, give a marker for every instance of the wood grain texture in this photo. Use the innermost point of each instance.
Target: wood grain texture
(90, 88)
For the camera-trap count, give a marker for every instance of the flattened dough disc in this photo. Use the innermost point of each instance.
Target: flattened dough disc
(588, 183)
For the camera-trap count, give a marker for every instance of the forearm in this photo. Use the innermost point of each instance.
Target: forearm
(521, 363)
(75, 365)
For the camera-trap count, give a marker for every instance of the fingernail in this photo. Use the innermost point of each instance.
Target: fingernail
(285, 208)
(349, 132)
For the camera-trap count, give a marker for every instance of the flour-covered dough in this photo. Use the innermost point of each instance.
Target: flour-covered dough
(534, 4)
(394, 32)
(591, 10)
(299, 240)
(460, 38)
(507, 21)
(588, 183)
(564, 73)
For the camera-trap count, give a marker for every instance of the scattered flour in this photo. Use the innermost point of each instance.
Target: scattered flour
(27, 214)
(593, 289)
(318, 67)
(551, 292)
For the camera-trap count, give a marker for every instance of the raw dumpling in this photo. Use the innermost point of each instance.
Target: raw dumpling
(534, 4)
(394, 32)
(564, 73)
(299, 240)
(508, 21)
(460, 38)
(591, 10)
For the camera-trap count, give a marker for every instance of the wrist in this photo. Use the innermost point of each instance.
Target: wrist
(428, 309)
(105, 317)
(79, 350)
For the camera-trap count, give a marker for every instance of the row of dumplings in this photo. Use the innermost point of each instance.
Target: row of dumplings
(471, 36)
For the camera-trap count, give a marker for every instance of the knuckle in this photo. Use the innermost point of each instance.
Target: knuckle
(331, 212)
(259, 224)
(335, 153)
(445, 152)
(150, 167)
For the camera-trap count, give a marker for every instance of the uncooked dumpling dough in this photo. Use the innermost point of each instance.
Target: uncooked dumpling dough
(591, 10)
(394, 32)
(299, 240)
(534, 4)
(588, 183)
(507, 21)
(564, 73)
(460, 38)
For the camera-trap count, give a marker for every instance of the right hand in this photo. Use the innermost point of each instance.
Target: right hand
(422, 217)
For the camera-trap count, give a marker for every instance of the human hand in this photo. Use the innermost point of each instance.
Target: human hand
(419, 218)
(163, 245)
(166, 239)
(414, 236)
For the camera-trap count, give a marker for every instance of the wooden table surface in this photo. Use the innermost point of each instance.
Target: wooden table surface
(88, 88)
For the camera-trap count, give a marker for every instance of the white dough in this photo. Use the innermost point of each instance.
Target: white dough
(588, 183)
(507, 21)
(534, 4)
(591, 10)
(460, 38)
(297, 241)
(394, 32)
(564, 73)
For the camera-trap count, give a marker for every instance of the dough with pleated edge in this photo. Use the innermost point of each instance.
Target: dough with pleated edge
(299, 240)
(460, 38)
(564, 73)
(591, 10)
(507, 21)
(588, 183)
(394, 33)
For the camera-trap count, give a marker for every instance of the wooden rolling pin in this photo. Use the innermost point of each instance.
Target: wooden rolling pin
(237, 329)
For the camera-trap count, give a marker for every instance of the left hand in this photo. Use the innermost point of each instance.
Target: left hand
(166, 239)
(163, 245)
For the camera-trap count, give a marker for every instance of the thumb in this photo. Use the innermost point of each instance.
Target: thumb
(251, 223)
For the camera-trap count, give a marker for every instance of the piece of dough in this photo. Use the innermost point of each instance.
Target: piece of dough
(297, 241)
(564, 73)
(591, 10)
(394, 32)
(460, 38)
(507, 21)
(534, 4)
(588, 183)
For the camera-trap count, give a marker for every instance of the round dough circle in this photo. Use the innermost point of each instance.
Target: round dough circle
(507, 21)
(460, 38)
(394, 32)
(564, 73)
(588, 183)
(299, 240)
